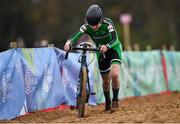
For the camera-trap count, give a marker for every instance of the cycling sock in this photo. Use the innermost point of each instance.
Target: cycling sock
(115, 94)
(107, 97)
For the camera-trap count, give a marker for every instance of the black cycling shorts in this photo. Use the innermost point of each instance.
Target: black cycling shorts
(111, 57)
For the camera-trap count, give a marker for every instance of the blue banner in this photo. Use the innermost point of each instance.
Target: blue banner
(12, 95)
(70, 73)
(43, 81)
(30, 80)
(40, 78)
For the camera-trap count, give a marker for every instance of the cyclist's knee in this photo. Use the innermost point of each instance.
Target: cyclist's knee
(115, 76)
(115, 72)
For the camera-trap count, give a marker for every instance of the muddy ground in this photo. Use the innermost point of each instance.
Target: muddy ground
(153, 108)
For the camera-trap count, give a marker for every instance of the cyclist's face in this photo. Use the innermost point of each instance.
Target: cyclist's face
(95, 27)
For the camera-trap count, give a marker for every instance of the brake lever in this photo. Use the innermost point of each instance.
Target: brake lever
(103, 54)
(66, 55)
(70, 48)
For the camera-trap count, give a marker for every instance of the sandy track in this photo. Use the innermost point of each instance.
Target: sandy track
(153, 108)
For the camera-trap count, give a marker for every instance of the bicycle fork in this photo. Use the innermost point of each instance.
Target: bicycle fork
(88, 88)
(88, 83)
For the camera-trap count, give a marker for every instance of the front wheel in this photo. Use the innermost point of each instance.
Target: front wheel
(81, 101)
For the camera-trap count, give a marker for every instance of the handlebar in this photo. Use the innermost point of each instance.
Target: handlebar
(85, 47)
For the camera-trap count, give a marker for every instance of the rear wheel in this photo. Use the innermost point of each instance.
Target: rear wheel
(82, 96)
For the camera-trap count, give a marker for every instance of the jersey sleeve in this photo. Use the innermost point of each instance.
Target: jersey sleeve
(78, 34)
(114, 42)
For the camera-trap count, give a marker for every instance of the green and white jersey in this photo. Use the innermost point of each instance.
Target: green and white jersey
(105, 35)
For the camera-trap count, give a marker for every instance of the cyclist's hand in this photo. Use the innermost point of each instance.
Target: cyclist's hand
(103, 48)
(67, 44)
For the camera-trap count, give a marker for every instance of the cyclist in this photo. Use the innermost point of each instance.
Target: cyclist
(103, 33)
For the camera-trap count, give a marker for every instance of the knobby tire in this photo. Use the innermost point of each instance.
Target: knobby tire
(82, 95)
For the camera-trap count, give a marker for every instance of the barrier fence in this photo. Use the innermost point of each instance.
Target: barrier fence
(39, 78)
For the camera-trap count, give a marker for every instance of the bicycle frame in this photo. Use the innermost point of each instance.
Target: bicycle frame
(82, 92)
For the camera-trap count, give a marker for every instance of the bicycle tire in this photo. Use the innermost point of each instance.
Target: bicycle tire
(82, 95)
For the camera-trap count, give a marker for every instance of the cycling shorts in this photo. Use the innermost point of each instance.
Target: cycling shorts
(111, 57)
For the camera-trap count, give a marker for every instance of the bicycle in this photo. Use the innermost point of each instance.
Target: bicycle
(83, 88)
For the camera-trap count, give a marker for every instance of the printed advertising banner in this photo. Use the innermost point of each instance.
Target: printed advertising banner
(173, 69)
(141, 74)
(30, 80)
(12, 93)
(40, 78)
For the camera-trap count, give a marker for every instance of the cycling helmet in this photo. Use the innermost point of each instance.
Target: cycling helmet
(94, 15)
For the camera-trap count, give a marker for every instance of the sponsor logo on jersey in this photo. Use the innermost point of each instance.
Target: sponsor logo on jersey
(110, 28)
(83, 29)
(100, 37)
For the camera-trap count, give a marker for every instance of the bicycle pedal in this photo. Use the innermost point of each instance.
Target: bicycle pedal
(93, 93)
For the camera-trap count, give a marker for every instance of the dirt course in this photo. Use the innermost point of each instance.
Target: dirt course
(153, 108)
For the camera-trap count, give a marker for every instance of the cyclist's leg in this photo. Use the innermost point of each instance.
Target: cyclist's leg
(114, 74)
(104, 66)
(106, 89)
